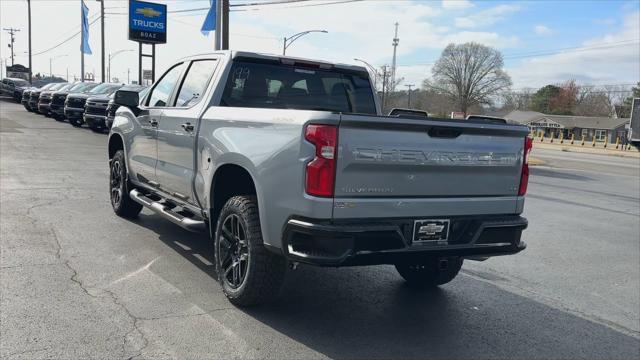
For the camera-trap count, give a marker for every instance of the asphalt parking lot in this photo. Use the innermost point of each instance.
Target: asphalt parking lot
(79, 282)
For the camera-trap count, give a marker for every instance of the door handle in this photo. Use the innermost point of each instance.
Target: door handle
(153, 122)
(187, 126)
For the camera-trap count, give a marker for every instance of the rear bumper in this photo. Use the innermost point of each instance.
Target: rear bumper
(347, 243)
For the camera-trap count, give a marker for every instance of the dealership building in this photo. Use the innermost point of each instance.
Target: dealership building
(590, 127)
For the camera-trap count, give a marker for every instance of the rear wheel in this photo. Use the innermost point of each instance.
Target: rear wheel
(248, 273)
(119, 188)
(432, 272)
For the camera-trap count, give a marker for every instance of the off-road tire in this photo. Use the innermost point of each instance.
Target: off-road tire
(429, 274)
(265, 271)
(75, 122)
(123, 206)
(96, 129)
(58, 118)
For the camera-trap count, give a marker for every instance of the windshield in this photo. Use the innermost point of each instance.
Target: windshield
(279, 86)
(18, 83)
(79, 87)
(57, 86)
(105, 89)
(66, 87)
(47, 86)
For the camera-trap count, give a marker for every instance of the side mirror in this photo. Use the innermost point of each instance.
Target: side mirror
(127, 98)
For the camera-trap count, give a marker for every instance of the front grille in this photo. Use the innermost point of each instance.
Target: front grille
(58, 99)
(75, 103)
(92, 110)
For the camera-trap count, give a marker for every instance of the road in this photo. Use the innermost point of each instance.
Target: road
(79, 282)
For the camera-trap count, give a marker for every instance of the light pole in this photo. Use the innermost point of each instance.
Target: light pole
(409, 92)
(288, 41)
(372, 70)
(111, 56)
(51, 63)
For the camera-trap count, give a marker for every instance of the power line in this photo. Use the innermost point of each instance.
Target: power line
(553, 51)
(67, 39)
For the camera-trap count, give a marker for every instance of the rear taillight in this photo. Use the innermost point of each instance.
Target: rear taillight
(321, 171)
(524, 179)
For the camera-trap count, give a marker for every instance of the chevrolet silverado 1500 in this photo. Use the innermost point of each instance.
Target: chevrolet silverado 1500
(286, 161)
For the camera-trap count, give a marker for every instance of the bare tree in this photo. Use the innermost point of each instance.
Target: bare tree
(470, 74)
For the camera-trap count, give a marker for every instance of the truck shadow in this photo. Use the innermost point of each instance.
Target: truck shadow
(368, 312)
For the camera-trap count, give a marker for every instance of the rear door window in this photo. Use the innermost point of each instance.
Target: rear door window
(195, 82)
(280, 86)
(161, 93)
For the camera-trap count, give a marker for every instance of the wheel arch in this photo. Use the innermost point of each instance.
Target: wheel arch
(115, 143)
(229, 180)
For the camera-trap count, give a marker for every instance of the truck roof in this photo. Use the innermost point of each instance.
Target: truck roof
(247, 54)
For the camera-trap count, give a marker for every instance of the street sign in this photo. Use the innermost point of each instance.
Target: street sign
(147, 75)
(147, 22)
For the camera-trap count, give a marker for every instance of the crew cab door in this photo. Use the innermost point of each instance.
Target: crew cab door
(177, 130)
(143, 154)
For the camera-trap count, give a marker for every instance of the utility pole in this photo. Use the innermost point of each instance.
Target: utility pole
(12, 31)
(396, 41)
(384, 86)
(218, 35)
(225, 24)
(29, 20)
(409, 92)
(102, 35)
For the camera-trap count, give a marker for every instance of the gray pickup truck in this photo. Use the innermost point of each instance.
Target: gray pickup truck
(287, 161)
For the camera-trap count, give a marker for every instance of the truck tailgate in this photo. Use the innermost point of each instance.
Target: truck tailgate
(427, 158)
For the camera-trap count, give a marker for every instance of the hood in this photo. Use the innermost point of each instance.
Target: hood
(78, 96)
(63, 92)
(99, 98)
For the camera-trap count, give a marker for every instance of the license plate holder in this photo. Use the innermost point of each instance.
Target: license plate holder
(431, 231)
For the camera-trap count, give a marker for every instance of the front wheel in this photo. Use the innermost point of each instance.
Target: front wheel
(75, 122)
(119, 189)
(432, 272)
(248, 273)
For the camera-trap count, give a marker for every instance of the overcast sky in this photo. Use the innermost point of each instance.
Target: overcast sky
(593, 42)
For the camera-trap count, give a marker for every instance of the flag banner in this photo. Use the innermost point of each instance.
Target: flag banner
(210, 21)
(85, 48)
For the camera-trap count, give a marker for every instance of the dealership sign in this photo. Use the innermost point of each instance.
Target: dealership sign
(546, 123)
(147, 22)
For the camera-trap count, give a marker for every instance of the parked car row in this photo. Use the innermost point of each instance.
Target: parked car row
(78, 103)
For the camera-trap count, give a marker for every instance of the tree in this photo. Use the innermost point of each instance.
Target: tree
(564, 102)
(470, 74)
(542, 99)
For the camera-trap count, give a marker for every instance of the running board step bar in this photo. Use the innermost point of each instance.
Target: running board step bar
(166, 211)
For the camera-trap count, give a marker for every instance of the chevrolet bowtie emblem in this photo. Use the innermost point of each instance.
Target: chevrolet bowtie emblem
(148, 12)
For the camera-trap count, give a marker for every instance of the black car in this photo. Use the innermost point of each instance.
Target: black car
(18, 90)
(75, 103)
(95, 112)
(59, 97)
(112, 107)
(25, 97)
(34, 95)
(9, 86)
(44, 101)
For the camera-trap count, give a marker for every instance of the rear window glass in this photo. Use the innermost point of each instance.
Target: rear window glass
(279, 86)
